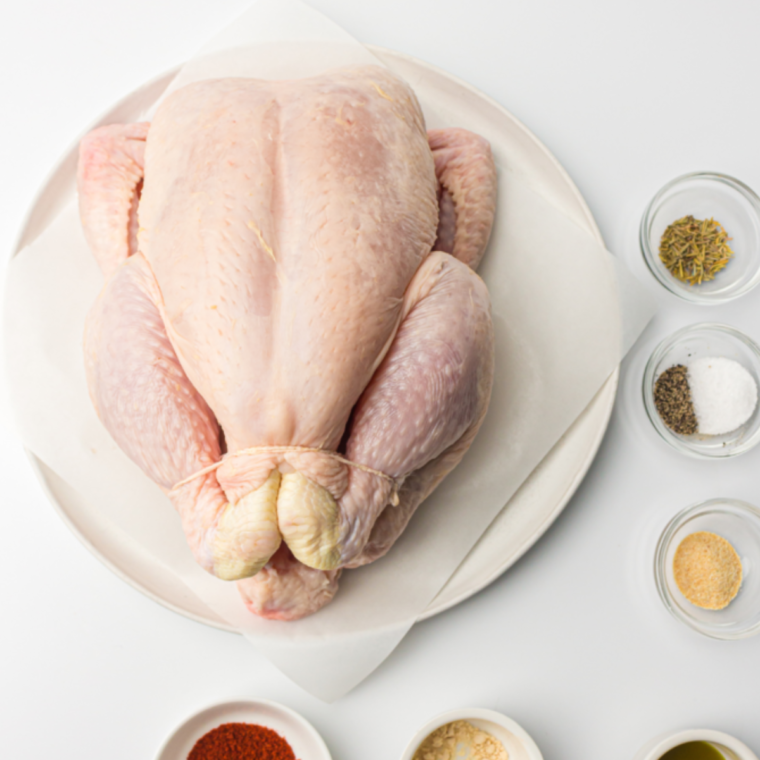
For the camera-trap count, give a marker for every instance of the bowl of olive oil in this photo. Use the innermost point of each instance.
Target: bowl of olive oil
(694, 751)
(695, 744)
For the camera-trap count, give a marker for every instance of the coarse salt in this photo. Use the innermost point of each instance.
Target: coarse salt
(724, 394)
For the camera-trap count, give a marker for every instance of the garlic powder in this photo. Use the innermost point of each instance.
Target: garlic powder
(707, 570)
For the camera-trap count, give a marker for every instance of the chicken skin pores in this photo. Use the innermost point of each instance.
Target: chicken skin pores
(291, 340)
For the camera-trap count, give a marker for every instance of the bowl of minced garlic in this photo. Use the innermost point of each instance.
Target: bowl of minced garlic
(700, 568)
(471, 734)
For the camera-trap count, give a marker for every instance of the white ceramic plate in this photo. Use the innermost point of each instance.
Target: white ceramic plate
(297, 731)
(541, 498)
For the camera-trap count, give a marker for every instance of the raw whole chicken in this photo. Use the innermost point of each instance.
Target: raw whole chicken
(291, 340)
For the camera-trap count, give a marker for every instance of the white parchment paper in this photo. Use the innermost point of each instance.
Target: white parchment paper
(557, 302)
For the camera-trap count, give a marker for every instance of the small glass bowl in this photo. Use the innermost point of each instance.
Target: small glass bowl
(707, 195)
(692, 343)
(737, 522)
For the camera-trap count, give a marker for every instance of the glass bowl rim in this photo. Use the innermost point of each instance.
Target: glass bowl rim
(650, 256)
(648, 381)
(660, 571)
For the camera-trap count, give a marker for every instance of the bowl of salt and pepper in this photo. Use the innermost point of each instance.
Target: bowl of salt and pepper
(701, 390)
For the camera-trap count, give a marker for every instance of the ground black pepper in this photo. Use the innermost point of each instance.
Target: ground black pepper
(672, 397)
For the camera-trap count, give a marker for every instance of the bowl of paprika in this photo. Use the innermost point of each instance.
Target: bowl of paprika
(246, 729)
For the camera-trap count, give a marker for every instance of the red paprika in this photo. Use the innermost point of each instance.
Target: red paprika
(241, 741)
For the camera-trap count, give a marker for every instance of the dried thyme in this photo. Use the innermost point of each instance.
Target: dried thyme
(695, 250)
(672, 397)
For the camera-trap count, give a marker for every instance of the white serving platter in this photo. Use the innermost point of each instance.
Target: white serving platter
(540, 499)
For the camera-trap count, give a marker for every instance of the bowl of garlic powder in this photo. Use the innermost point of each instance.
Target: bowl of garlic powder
(701, 388)
(705, 568)
(471, 734)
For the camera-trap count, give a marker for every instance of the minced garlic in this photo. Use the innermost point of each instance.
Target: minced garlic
(707, 570)
(460, 739)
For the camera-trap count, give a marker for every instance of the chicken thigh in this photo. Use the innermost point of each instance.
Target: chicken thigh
(291, 340)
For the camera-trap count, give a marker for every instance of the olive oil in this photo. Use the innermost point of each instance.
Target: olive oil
(693, 751)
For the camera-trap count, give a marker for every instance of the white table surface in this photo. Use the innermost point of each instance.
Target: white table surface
(573, 642)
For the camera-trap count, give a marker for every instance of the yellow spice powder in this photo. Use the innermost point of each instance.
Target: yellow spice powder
(460, 739)
(707, 570)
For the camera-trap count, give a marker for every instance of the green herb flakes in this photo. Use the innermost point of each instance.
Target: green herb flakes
(695, 250)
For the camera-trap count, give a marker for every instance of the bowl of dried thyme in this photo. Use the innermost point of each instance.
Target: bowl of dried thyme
(704, 568)
(700, 389)
(700, 237)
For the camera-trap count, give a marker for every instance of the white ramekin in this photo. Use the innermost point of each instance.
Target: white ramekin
(732, 748)
(515, 739)
(296, 730)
